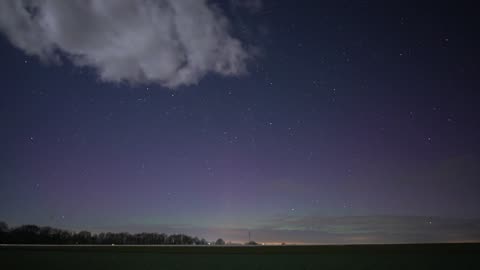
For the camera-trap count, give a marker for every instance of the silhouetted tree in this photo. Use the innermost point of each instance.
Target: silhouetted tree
(3, 231)
(26, 234)
(3, 227)
(31, 234)
(219, 242)
(196, 241)
(83, 237)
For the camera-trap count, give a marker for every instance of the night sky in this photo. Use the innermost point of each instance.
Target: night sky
(302, 122)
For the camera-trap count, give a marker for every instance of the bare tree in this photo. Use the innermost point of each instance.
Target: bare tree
(31, 234)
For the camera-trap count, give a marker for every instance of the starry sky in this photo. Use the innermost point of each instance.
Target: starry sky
(306, 122)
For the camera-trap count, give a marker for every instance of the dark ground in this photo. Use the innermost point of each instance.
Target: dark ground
(420, 256)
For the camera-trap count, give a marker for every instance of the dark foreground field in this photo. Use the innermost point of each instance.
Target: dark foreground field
(441, 256)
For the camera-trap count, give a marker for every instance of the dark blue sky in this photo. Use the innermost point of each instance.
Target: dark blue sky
(353, 121)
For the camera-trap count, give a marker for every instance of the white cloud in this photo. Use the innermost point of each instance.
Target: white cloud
(169, 42)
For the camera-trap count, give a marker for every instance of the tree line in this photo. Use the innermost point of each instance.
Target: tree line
(32, 234)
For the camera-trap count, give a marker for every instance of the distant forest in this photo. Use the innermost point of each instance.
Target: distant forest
(32, 234)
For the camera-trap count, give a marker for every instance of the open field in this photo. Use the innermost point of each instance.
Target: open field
(420, 256)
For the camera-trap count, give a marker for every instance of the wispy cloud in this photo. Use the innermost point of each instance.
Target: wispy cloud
(169, 42)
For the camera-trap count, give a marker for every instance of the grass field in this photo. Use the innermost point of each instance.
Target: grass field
(425, 256)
